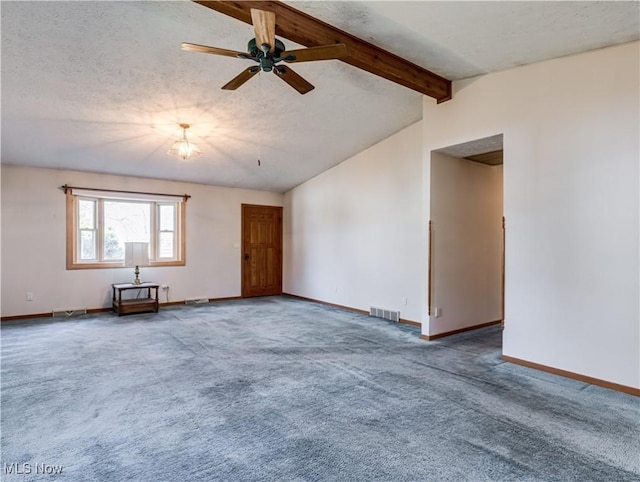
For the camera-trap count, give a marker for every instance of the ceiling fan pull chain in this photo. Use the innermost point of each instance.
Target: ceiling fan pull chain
(261, 117)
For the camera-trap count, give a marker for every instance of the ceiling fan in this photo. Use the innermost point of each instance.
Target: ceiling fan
(267, 51)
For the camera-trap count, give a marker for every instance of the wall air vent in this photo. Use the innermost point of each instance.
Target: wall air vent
(68, 313)
(196, 301)
(390, 315)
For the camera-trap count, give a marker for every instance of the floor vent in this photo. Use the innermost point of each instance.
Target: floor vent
(196, 301)
(69, 313)
(383, 313)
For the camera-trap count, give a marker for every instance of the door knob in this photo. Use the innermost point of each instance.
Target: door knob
(246, 257)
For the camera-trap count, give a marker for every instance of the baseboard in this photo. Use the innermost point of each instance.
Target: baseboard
(172, 303)
(26, 317)
(228, 298)
(575, 376)
(106, 309)
(409, 322)
(211, 300)
(326, 303)
(99, 310)
(347, 308)
(461, 330)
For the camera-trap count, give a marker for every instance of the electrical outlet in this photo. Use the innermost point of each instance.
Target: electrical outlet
(404, 301)
(438, 312)
(29, 296)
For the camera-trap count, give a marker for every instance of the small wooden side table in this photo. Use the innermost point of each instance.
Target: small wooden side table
(136, 305)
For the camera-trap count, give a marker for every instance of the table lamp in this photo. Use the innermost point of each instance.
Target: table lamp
(136, 254)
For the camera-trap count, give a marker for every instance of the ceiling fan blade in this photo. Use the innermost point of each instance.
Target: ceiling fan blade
(324, 52)
(264, 24)
(293, 79)
(240, 79)
(211, 50)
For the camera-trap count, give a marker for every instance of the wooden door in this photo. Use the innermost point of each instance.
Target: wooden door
(261, 250)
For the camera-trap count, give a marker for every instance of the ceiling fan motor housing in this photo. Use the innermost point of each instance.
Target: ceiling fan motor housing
(265, 57)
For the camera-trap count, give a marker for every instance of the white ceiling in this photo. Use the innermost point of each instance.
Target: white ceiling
(102, 86)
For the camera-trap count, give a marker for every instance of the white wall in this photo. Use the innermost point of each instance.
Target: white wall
(354, 235)
(34, 240)
(466, 216)
(571, 189)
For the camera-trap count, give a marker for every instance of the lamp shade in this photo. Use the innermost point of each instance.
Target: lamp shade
(136, 254)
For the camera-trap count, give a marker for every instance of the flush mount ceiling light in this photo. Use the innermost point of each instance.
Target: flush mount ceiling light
(182, 148)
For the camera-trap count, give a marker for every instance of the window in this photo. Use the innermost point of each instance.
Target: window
(98, 226)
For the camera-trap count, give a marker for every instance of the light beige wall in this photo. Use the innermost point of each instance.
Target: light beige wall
(466, 216)
(34, 237)
(571, 131)
(355, 234)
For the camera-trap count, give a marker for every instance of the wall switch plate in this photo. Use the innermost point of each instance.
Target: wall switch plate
(404, 301)
(29, 296)
(438, 312)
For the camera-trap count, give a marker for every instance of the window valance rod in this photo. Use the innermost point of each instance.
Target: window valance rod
(67, 188)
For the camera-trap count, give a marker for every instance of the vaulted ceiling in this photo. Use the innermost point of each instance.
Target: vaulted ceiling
(102, 86)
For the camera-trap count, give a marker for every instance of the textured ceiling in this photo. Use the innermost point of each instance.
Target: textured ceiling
(102, 86)
(458, 39)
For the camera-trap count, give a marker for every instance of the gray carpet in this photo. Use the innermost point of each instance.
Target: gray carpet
(281, 389)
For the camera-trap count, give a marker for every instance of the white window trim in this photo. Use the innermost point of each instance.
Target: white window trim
(157, 231)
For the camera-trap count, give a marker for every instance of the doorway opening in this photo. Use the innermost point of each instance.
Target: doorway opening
(466, 233)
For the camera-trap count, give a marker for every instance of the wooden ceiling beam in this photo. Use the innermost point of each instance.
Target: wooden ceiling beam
(306, 30)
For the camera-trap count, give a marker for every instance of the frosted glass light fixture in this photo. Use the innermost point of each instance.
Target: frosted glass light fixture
(182, 148)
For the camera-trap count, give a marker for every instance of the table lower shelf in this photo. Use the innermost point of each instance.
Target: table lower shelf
(139, 305)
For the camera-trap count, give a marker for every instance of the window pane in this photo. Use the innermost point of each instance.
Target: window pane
(86, 214)
(87, 245)
(124, 222)
(167, 212)
(113, 247)
(165, 249)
